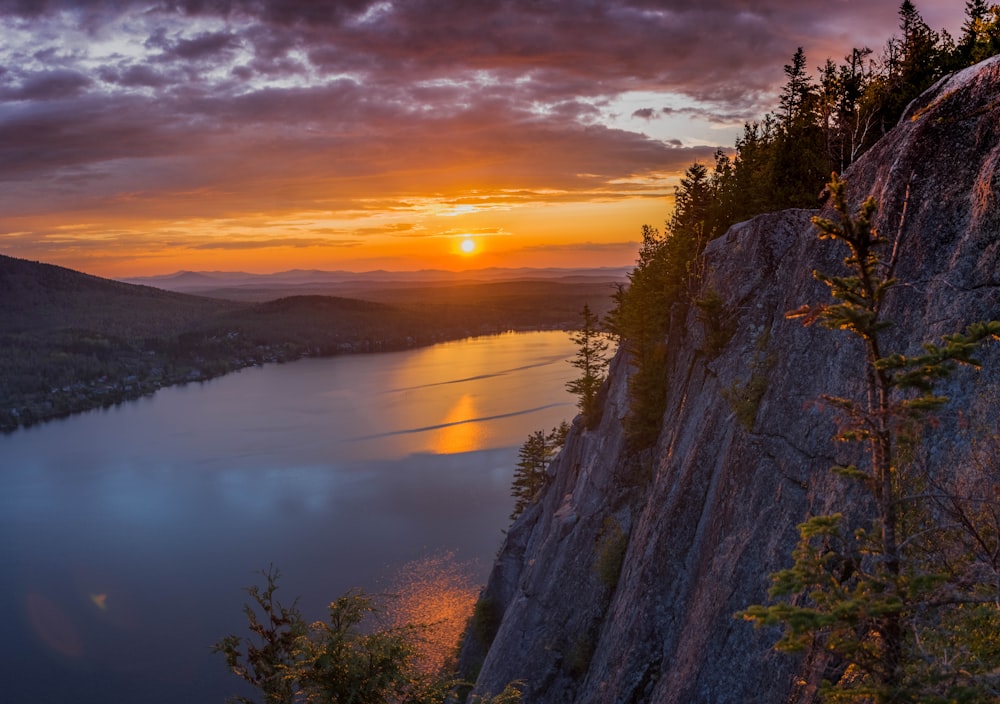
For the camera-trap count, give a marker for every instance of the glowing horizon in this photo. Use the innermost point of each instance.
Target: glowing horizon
(139, 137)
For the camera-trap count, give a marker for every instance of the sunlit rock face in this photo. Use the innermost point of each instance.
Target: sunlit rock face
(703, 518)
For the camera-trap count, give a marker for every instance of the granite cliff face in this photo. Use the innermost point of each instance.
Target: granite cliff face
(699, 522)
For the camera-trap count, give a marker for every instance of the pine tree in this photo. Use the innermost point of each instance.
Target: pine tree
(591, 360)
(796, 101)
(918, 61)
(847, 120)
(533, 459)
(800, 158)
(975, 14)
(866, 595)
(266, 658)
(980, 33)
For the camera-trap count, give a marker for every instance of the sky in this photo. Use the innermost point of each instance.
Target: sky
(142, 137)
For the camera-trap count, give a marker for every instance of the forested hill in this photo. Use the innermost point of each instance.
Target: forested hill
(39, 298)
(70, 341)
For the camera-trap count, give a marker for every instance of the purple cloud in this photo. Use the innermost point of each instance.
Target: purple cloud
(213, 107)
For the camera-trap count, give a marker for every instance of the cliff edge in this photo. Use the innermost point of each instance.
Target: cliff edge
(621, 583)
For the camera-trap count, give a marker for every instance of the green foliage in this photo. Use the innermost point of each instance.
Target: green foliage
(345, 659)
(580, 653)
(745, 397)
(337, 661)
(667, 275)
(591, 360)
(485, 621)
(902, 600)
(266, 658)
(610, 553)
(980, 33)
(825, 124)
(533, 459)
(719, 327)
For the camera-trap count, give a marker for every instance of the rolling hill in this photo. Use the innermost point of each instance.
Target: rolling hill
(70, 341)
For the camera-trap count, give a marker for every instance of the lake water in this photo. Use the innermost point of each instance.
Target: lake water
(128, 534)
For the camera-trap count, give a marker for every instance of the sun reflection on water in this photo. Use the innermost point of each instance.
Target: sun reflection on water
(437, 594)
(460, 432)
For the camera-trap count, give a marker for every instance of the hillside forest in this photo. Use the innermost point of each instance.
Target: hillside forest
(824, 121)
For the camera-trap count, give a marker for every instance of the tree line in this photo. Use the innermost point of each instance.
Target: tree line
(823, 123)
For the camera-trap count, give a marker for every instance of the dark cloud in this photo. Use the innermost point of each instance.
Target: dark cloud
(134, 76)
(713, 116)
(217, 108)
(206, 45)
(42, 139)
(48, 85)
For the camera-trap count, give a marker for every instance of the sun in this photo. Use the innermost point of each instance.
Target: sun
(468, 246)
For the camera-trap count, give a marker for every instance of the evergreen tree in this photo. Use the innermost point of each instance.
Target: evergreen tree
(641, 315)
(533, 459)
(796, 101)
(975, 14)
(779, 162)
(742, 184)
(265, 658)
(591, 360)
(846, 119)
(914, 61)
(344, 659)
(662, 284)
(868, 596)
(980, 33)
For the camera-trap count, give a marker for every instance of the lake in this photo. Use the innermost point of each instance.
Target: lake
(130, 533)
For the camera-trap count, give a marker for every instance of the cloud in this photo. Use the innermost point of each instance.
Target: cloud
(610, 248)
(178, 109)
(48, 85)
(471, 232)
(645, 114)
(202, 47)
(133, 76)
(296, 242)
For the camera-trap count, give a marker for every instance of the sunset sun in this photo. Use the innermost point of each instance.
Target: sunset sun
(468, 246)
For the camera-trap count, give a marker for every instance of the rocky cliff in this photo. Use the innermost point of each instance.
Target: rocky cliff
(621, 583)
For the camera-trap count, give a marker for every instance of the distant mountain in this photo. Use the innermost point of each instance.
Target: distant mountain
(240, 284)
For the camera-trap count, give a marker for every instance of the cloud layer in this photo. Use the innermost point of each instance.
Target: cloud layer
(126, 114)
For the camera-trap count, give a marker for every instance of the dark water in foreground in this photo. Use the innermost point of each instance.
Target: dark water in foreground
(127, 535)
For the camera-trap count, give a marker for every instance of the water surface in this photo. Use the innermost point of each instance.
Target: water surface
(128, 533)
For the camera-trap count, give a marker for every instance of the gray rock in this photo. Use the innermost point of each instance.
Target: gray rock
(712, 510)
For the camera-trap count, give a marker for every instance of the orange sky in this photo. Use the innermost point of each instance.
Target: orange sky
(143, 137)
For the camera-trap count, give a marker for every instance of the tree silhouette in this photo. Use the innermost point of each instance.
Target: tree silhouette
(591, 359)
